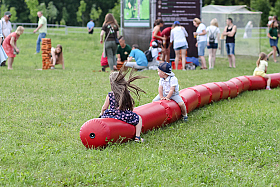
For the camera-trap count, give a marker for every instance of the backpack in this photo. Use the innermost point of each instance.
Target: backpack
(148, 55)
(212, 37)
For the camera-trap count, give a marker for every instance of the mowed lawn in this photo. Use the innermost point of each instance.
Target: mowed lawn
(233, 142)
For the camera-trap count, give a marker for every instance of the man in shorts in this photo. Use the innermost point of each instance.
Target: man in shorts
(229, 32)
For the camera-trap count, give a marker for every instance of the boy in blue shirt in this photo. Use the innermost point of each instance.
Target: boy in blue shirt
(169, 88)
(139, 56)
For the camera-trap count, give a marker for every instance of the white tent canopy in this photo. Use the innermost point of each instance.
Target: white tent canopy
(239, 9)
(240, 15)
(247, 38)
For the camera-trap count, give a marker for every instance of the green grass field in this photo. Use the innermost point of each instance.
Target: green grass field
(233, 142)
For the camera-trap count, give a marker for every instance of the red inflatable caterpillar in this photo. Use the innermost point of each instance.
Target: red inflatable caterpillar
(99, 132)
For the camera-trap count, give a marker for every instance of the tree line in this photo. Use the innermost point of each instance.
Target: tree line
(78, 12)
(69, 12)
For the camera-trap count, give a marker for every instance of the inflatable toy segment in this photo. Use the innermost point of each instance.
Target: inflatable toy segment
(99, 132)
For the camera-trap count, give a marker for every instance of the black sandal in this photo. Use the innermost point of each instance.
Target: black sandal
(138, 139)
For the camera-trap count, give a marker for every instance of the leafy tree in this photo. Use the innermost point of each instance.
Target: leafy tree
(264, 7)
(33, 8)
(275, 11)
(62, 22)
(81, 10)
(65, 15)
(52, 12)
(116, 11)
(14, 13)
(3, 8)
(43, 9)
(95, 12)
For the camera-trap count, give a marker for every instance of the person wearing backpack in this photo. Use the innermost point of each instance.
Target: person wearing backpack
(212, 41)
(110, 29)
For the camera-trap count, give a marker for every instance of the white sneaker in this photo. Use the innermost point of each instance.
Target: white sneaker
(52, 68)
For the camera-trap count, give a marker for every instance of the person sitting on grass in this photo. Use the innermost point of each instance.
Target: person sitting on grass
(57, 56)
(121, 102)
(169, 88)
(261, 69)
(123, 51)
(140, 58)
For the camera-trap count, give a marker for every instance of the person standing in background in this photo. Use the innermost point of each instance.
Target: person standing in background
(6, 28)
(275, 18)
(166, 44)
(230, 31)
(6, 24)
(156, 32)
(42, 28)
(110, 29)
(270, 20)
(201, 37)
(3, 55)
(90, 26)
(213, 41)
(273, 39)
(178, 38)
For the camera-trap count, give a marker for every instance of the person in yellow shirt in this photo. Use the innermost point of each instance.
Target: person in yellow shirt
(261, 69)
(42, 28)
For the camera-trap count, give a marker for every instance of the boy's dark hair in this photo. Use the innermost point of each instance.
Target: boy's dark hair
(230, 19)
(275, 17)
(135, 46)
(121, 37)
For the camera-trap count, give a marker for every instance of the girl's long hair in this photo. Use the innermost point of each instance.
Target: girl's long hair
(122, 88)
(272, 24)
(60, 55)
(110, 20)
(262, 56)
(214, 22)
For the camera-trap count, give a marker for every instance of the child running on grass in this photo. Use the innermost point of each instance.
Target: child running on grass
(261, 69)
(169, 88)
(120, 101)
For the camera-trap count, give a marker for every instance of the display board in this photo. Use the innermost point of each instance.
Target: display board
(183, 11)
(136, 13)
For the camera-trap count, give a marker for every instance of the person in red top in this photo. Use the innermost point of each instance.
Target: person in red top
(166, 47)
(156, 32)
(10, 45)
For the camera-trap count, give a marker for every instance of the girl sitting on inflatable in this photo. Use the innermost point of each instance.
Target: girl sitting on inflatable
(261, 69)
(121, 102)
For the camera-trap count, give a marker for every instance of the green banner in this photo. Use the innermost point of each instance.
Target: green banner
(136, 13)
